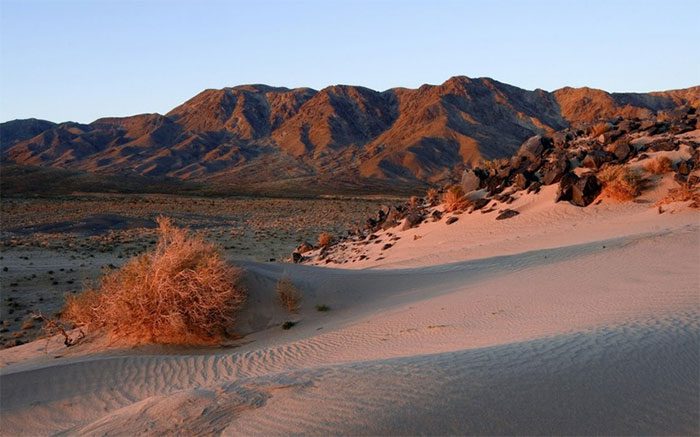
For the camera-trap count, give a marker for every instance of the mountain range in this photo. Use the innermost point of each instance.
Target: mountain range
(258, 138)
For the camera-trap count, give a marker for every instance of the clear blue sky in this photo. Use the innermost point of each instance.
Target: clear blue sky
(80, 60)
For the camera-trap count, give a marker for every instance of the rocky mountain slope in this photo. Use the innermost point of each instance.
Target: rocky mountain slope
(341, 138)
(652, 163)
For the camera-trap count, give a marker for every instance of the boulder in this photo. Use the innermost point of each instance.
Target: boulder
(506, 214)
(685, 167)
(585, 190)
(553, 171)
(621, 149)
(470, 181)
(533, 148)
(304, 247)
(559, 139)
(413, 219)
(436, 215)
(494, 185)
(480, 203)
(534, 187)
(392, 219)
(297, 257)
(666, 145)
(565, 186)
(594, 159)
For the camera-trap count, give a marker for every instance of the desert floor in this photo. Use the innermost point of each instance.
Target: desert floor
(53, 246)
(561, 320)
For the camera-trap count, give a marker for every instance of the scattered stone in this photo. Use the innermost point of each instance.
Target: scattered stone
(451, 220)
(506, 214)
(480, 203)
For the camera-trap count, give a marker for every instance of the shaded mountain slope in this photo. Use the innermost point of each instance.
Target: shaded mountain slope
(261, 136)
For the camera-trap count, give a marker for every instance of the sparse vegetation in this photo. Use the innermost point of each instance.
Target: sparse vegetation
(289, 295)
(660, 165)
(432, 196)
(600, 128)
(621, 182)
(454, 199)
(494, 165)
(323, 308)
(683, 193)
(324, 239)
(181, 292)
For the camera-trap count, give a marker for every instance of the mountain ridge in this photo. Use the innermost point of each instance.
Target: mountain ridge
(260, 135)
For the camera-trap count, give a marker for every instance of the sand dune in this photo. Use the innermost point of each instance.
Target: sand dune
(597, 335)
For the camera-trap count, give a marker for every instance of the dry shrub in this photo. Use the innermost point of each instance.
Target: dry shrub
(621, 182)
(660, 165)
(454, 199)
(432, 196)
(181, 292)
(682, 193)
(600, 128)
(324, 239)
(492, 166)
(289, 295)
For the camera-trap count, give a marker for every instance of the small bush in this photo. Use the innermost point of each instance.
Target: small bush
(323, 308)
(620, 182)
(660, 165)
(289, 295)
(324, 239)
(682, 193)
(492, 166)
(454, 199)
(181, 292)
(432, 196)
(600, 128)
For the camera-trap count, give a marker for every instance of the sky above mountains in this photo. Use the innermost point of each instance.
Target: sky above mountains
(81, 60)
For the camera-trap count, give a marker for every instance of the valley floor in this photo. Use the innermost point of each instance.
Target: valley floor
(561, 320)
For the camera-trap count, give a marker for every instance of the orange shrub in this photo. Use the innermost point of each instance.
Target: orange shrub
(289, 295)
(660, 165)
(182, 292)
(454, 199)
(599, 129)
(620, 182)
(324, 239)
(682, 193)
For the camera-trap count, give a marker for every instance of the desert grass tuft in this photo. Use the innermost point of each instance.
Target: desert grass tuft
(600, 128)
(620, 182)
(181, 292)
(454, 199)
(288, 294)
(683, 193)
(660, 165)
(324, 239)
(432, 196)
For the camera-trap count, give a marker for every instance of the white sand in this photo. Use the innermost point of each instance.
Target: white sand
(561, 320)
